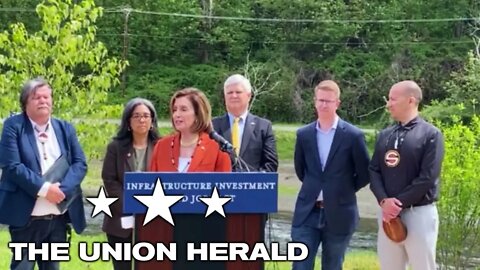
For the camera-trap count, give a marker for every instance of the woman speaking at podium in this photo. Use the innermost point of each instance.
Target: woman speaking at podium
(189, 149)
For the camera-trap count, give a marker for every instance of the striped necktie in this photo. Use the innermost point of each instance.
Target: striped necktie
(235, 135)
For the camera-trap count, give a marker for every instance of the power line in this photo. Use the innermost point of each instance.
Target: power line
(15, 9)
(381, 21)
(302, 42)
(277, 20)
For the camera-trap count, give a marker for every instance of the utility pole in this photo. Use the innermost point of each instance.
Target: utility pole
(207, 10)
(126, 13)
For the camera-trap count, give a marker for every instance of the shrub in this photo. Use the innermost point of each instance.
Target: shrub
(459, 205)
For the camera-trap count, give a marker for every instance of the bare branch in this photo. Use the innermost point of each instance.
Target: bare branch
(367, 114)
(476, 40)
(269, 90)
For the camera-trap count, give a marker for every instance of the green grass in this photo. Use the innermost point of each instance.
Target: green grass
(356, 260)
(286, 190)
(285, 144)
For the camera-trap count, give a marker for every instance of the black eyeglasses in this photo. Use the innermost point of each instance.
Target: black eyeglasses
(141, 116)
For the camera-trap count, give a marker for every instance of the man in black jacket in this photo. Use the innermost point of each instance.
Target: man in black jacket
(405, 171)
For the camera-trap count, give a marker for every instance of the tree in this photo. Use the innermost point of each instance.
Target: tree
(65, 53)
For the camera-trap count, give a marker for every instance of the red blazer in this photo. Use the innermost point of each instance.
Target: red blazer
(207, 157)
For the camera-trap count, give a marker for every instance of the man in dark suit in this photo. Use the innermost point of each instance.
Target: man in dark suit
(254, 143)
(31, 142)
(254, 140)
(331, 160)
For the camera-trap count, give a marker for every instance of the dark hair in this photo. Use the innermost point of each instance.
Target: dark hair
(30, 87)
(124, 131)
(201, 107)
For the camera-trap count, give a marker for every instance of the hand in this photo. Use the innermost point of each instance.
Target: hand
(55, 194)
(391, 207)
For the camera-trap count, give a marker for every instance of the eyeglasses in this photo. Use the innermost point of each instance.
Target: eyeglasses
(138, 117)
(325, 101)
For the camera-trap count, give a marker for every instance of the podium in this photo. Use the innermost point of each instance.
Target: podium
(253, 195)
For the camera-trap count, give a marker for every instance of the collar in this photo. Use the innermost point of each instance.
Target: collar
(410, 124)
(334, 126)
(36, 126)
(243, 116)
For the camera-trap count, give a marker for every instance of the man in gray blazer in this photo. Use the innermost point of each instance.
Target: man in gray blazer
(254, 138)
(331, 160)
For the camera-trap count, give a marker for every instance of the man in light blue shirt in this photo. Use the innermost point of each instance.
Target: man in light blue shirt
(331, 160)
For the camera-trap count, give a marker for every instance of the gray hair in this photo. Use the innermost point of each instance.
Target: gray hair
(238, 79)
(30, 87)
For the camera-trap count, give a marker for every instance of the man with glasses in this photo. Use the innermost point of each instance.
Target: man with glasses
(331, 160)
(32, 143)
(405, 174)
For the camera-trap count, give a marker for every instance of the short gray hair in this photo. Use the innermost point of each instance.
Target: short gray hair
(238, 79)
(30, 87)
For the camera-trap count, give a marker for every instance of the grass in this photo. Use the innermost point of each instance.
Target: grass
(285, 144)
(355, 260)
(286, 190)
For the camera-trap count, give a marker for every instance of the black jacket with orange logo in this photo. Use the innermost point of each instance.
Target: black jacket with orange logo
(406, 163)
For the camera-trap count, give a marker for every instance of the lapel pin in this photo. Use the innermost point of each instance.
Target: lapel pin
(129, 155)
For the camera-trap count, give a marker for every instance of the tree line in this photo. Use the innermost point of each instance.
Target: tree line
(366, 46)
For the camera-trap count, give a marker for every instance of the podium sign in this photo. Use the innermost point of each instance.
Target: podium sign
(250, 192)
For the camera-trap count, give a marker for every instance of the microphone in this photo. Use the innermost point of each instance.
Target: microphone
(225, 145)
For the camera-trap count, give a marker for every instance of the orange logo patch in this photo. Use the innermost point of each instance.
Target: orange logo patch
(392, 158)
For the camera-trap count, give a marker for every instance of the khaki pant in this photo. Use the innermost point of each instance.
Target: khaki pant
(418, 250)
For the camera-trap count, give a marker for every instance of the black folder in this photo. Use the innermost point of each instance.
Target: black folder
(55, 174)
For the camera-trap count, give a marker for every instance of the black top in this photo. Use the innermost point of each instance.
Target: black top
(406, 163)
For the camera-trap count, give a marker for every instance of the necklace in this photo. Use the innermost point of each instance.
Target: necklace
(43, 138)
(190, 143)
(172, 159)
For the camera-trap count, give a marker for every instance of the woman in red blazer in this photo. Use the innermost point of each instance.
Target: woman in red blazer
(189, 149)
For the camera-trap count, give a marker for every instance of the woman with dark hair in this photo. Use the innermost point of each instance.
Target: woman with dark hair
(130, 150)
(189, 149)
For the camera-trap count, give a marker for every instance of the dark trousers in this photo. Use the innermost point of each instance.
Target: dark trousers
(38, 231)
(120, 265)
(315, 231)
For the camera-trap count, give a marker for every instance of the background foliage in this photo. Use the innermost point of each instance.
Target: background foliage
(344, 40)
(459, 206)
(364, 45)
(64, 52)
